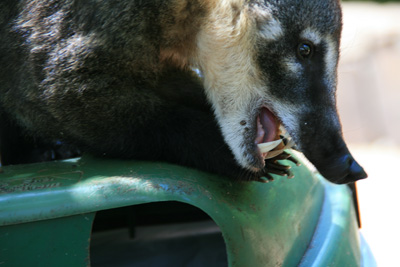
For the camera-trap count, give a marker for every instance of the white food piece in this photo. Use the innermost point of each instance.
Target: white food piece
(266, 147)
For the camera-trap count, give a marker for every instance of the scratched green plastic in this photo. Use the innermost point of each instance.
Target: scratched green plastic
(263, 224)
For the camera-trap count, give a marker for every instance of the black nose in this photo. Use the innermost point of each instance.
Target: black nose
(354, 171)
(343, 170)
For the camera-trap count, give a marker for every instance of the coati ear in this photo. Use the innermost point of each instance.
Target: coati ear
(268, 26)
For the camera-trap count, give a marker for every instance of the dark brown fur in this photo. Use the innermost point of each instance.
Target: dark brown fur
(108, 77)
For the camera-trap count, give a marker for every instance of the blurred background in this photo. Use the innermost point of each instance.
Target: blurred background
(369, 105)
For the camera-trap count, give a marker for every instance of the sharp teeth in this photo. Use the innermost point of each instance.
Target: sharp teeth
(265, 147)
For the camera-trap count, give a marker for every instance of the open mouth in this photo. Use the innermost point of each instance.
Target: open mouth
(271, 137)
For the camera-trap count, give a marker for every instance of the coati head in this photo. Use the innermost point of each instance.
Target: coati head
(276, 60)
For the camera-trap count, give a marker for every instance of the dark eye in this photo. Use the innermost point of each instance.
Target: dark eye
(305, 50)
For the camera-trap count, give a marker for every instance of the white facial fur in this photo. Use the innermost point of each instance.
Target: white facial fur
(311, 35)
(271, 30)
(293, 66)
(331, 59)
(231, 78)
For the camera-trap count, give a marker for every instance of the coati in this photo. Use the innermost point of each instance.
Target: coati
(116, 78)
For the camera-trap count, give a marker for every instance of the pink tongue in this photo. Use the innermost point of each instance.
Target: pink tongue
(269, 124)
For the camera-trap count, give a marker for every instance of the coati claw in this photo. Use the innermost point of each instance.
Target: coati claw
(285, 155)
(265, 178)
(276, 165)
(295, 161)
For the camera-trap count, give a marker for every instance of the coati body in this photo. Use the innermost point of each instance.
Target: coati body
(115, 78)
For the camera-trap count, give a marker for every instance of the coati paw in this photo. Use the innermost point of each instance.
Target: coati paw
(273, 152)
(273, 166)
